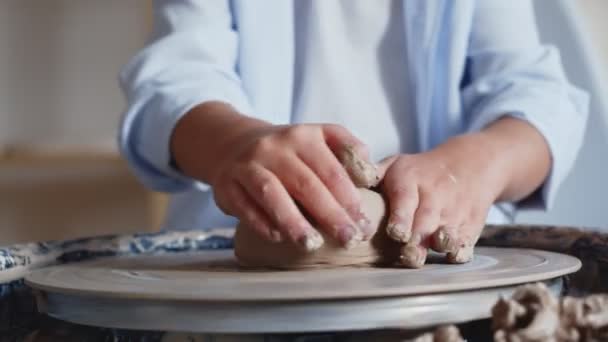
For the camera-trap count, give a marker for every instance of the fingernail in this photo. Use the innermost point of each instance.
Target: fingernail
(398, 232)
(312, 241)
(362, 222)
(413, 256)
(350, 236)
(275, 236)
(444, 241)
(366, 228)
(355, 240)
(461, 255)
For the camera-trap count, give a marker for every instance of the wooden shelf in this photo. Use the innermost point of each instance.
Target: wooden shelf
(57, 154)
(61, 192)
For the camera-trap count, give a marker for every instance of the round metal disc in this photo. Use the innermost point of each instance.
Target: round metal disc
(206, 292)
(214, 276)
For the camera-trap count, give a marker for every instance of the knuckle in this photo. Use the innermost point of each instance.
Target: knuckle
(397, 192)
(426, 210)
(407, 171)
(446, 184)
(296, 133)
(334, 176)
(303, 186)
(448, 215)
(263, 146)
(264, 186)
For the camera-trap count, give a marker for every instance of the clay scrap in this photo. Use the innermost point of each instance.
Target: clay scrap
(533, 314)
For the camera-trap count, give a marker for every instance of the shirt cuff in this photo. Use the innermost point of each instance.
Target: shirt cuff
(148, 124)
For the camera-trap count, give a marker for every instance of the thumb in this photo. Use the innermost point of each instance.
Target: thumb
(384, 165)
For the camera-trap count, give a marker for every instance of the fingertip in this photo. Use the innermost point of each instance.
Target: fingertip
(462, 255)
(362, 222)
(311, 241)
(413, 256)
(445, 240)
(349, 236)
(398, 232)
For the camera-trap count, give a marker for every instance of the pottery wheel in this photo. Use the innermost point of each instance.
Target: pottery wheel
(206, 292)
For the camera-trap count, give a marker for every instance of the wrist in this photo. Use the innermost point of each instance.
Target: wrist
(205, 136)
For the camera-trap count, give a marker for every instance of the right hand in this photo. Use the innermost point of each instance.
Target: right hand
(269, 173)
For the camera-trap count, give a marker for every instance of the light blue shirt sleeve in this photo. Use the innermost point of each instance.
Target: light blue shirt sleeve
(511, 73)
(190, 60)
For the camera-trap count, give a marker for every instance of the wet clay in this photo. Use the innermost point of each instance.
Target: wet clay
(254, 251)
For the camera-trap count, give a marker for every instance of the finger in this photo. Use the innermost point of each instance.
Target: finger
(413, 255)
(335, 178)
(238, 203)
(270, 195)
(446, 239)
(427, 216)
(462, 255)
(469, 235)
(337, 137)
(308, 190)
(403, 201)
(385, 164)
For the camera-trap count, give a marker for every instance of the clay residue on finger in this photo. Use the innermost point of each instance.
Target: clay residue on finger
(462, 255)
(311, 241)
(363, 173)
(398, 233)
(464, 252)
(445, 240)
(413, 256)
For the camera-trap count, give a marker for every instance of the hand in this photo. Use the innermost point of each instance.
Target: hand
(268, 172)
(440, 199)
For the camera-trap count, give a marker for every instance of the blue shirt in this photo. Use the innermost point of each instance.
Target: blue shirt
(469, 63)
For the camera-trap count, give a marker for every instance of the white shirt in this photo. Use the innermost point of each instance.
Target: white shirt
(372, 101)
(468, 63)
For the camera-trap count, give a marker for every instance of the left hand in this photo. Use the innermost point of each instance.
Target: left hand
(440, 199)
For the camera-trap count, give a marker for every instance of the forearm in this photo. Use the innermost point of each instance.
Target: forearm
(509, 157)
(520, 154)
(204, 134)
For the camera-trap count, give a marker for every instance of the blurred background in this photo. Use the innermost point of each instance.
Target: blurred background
(61, 175)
